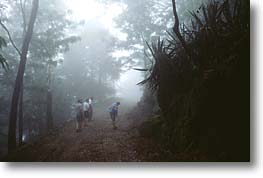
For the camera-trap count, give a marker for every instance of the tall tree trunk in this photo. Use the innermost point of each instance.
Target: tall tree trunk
(20, 121)
(20, 77)
(144, 59)
(21, 113)
(29, 130)
(49, 110)
(49, 101)
(41, 127)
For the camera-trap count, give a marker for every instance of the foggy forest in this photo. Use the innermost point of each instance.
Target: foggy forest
(124, 80)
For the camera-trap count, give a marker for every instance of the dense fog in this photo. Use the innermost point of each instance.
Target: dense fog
(81, 49)
(159, 59)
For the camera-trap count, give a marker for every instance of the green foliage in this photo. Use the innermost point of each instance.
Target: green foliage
(144, 20)
(2, 42)
(3, 61)
(50, 40)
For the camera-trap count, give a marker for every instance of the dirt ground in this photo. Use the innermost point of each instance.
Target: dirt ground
(98, 142)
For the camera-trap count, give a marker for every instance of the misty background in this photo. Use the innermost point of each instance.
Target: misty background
(79, 49)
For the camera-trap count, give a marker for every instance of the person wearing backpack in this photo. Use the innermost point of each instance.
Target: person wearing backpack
(113, 110)
(79, 115)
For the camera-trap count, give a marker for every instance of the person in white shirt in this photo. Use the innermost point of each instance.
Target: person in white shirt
(90, 108)
(86, 111)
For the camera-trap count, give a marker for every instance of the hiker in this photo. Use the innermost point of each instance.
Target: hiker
(79, 115)
(86, 111)
(113, 110)
(90, 108)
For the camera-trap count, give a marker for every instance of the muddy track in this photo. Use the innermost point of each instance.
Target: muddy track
(97, 142)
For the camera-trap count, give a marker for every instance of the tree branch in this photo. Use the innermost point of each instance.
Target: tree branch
(10, 38)
(176, 19)
(22, 7)
(177, 30)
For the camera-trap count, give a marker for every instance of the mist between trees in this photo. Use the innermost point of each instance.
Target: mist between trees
(50, 56)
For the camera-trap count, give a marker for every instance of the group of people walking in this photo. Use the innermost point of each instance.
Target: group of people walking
(84, 113)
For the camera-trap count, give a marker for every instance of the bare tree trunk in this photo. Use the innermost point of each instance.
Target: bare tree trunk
(145, 59)
(19, 78)
(20, 121)
(49, 110)
(41, 127)
(49, 101)
(29, 130)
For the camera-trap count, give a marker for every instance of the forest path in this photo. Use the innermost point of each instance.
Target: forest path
(98, 142)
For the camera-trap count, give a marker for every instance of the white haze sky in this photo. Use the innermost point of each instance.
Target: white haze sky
(104, 14)
(93, 10)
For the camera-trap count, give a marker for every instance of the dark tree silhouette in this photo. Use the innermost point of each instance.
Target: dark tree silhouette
(201, 78)
(19, 78)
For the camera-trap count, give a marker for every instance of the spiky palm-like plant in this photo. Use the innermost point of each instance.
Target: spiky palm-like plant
(201, 77)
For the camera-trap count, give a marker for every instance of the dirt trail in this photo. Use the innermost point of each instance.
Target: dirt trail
(97, 142)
